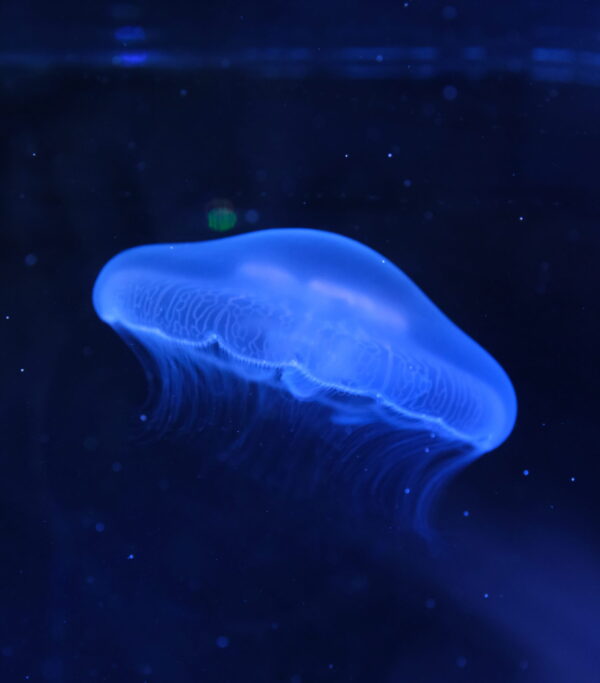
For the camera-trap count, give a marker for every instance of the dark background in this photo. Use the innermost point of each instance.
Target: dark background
(127, 559)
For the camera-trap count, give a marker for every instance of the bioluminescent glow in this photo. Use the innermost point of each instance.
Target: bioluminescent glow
(321, 336)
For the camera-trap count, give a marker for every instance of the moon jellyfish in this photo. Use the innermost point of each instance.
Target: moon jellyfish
(316, 357)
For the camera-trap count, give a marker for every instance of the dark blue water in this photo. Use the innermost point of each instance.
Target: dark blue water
(470, 160)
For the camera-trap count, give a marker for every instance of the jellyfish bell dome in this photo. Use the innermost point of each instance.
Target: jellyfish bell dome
(322, 324)
(328, 318)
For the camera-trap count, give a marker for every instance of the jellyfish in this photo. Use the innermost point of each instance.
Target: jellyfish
(317, 358)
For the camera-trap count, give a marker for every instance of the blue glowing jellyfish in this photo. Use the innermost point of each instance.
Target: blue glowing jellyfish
(312, 333)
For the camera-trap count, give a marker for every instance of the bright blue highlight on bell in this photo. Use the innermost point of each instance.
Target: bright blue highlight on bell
(324, 325)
